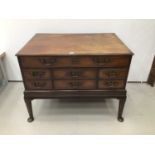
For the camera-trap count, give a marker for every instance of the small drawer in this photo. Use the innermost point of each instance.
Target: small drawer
(111, 84)
(36, 74)
(75, 84)
(38, 62)
(75, 61)
(111, 61)
(113, 73)
(38, 84)
(74, 73)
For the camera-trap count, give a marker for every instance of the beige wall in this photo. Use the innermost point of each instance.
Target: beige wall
(138, 35)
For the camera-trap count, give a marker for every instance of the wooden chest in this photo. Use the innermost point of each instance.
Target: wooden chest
(73, 65)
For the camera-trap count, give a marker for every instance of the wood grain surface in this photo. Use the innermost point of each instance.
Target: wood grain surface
(74, 44)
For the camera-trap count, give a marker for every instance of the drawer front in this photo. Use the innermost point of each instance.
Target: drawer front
(38, 84)
(111, 84)
(113, 73)
(111, 61)
(74, 73)
(75, 84)
(36, 74)
(75, 61)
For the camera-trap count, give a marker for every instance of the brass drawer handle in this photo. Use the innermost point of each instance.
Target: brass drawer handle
(112, 74)
(75, 84)
(39, 84)
(102, 60)
(38, 74)
(111, 84)
(48, 61)
(75, 74)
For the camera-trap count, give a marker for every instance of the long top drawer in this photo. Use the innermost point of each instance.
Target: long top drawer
(75, 61)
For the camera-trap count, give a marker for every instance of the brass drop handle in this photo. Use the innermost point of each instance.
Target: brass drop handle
(39, 84)
(111, 84)
(38, 74)
(75, 84)
(102, 60)
(112, 74)
(48, 61)
(75, 74)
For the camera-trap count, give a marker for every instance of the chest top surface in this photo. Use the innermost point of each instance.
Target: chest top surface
(74, 44)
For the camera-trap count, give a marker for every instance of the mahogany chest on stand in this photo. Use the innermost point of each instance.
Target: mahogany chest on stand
(74, 65)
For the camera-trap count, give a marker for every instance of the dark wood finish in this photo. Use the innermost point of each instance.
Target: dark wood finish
(77, 44)
(37, 74)
(113, 73)
(29, 108)
(78, 61)
(74, 73)
(75, 84)
(38, 84)
(151, 77)
(120, 109)
(111, 84)
(74, 66)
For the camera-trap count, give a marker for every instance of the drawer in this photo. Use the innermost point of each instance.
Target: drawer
(36, 74)
(75, 84)
(74, 73)
(38, 84)
(75, 61)
(111, 84)
(113, 73)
